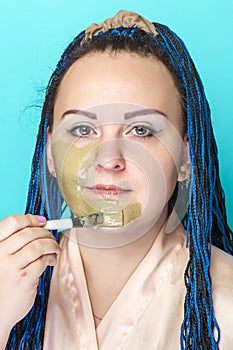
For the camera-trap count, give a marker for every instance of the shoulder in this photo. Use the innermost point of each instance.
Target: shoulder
(222, 287)
(221, 269)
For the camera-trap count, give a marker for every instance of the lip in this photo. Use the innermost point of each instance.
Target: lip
(107, 191)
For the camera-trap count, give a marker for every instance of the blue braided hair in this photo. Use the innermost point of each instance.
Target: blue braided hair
(205, 220)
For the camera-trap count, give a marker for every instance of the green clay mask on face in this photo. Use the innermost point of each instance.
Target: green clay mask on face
(103, 166)
(71, 167)
(67, 166)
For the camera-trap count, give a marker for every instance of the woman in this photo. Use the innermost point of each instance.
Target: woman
(130, 294)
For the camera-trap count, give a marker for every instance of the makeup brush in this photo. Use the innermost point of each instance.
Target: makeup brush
(93, 220)
(96, 220)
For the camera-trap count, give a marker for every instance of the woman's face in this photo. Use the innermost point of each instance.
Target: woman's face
(123, 115)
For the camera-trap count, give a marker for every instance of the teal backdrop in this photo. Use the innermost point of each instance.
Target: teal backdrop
(33, 36)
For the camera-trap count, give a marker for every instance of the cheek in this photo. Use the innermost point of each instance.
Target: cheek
(169, 168)
(151, 180)
(68, 162)
(165, 173)
(167, 149)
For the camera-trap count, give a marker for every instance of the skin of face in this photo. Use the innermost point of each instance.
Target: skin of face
(104, 78)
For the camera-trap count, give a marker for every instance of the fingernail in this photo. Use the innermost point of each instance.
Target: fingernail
(41, 218)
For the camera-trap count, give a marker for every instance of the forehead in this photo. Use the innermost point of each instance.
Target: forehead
(102, 78)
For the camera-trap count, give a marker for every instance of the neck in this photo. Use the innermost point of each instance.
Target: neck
(107, 270)
(120, 256)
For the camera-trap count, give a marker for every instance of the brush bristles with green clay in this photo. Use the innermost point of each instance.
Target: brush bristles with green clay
(96, 220)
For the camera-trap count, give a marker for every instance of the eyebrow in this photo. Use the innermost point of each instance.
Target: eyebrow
(127, 115)
(142, 112)
(90, 115)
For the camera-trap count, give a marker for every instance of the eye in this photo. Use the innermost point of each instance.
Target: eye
(82, 131)
(143, 131)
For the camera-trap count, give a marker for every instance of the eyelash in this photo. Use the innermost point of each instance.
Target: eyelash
(73, 130)
(151, 131)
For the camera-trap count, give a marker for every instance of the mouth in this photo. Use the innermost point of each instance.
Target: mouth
(108, 191)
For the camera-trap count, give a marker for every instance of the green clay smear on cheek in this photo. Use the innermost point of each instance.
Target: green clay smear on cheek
(72, 164)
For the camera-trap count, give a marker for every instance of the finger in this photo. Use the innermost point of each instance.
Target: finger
(14, 223)
(23, 237)
(34, 270)
(34, 250)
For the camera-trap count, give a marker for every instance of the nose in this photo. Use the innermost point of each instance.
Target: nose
(109, 157)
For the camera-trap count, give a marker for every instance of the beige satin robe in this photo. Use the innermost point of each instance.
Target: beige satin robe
(147, 313)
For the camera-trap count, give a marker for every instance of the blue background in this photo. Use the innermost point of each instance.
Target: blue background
(33, 36)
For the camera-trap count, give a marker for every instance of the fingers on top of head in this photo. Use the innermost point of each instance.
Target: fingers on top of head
(15, 223)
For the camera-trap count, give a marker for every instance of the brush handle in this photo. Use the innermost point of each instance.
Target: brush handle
(62, 224)
(80, 221)
(94, 220)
